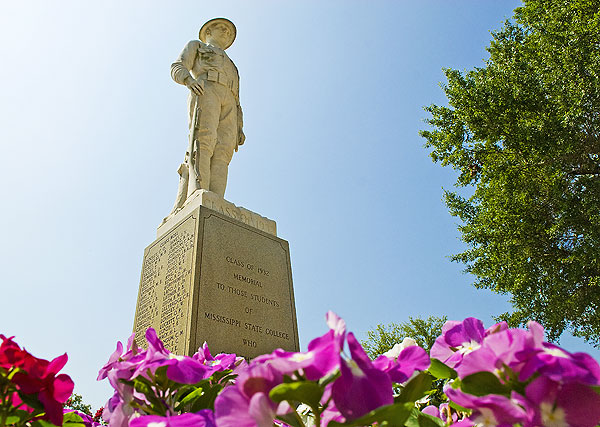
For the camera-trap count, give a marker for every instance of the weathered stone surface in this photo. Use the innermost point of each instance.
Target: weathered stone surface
(213, 278)
(219, 204)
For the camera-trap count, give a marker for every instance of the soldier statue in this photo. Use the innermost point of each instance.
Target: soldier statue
(215, 115)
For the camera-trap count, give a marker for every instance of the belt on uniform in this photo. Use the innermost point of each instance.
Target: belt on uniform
(217, 77)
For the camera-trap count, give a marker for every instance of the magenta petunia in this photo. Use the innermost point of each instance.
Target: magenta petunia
(117, 411)
(186, 370)
(432, 410)
(322, 357)
(88, 421)
(114, 358)
(558, 364)
(220, 362)
(457, 340)
(203, 418)
(504, 348)
(498, 327)
(231, 409)
(489, 410)
(361, 387)
(556, 404)
(247, 403)
(338, 326)
(400, 369)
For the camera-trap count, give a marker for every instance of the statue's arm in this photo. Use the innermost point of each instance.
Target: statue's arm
(180, 69)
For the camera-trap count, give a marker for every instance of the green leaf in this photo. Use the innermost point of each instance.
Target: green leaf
(459, 408)
(12, 419)
(191, 397)
(42, 423)
(184, 391)
(18, 415)
(32, 401)
(71, 419)
(160, 377)
(483, 383)
(207, 400)
(415, 389)
(221, 375)
(419, 419)
(390, 415)
(330, 378)
(300, 391)
(441, 370)
(291, 420)
(144, 386)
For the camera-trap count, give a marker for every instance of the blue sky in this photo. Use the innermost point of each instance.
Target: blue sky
(93, 130)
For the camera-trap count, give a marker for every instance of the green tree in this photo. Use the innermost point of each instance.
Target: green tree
(523, 133)
(423, 331)
(76, 402)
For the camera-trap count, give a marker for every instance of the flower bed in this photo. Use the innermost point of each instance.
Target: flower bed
(489, 377)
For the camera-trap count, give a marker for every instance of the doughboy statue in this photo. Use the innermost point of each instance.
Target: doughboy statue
(215, 115)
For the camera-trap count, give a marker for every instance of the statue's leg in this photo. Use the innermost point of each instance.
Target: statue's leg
(226, 142)
(206, 132)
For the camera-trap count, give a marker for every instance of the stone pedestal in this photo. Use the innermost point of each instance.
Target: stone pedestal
(211, 277)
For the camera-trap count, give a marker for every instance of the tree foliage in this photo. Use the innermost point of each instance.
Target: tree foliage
(523, 133)
(423, 331)
(76, 402)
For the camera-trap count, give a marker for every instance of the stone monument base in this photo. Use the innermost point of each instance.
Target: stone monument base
(219, 204)
(210, 276)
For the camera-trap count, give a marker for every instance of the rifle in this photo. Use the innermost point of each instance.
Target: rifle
(193, 177)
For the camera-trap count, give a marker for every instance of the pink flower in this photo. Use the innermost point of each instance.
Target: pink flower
(402, 367)
(457, 340)
(361, 387)
(247, 403)
(220, 362)
(571, 404)
(525, 352)
(118, 411)
(322, 357)
(204, 418)
(432, 410)
(505, 348)
(87, 420)
(40, 377)
(557, 364)
(489, 410)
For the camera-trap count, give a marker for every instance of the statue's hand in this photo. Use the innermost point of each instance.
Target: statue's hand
(195, 86)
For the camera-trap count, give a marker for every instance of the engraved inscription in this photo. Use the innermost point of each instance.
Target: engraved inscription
(258, 300)
(249, 280)
(165, 288)
(147, 302)
(241, 214)
(245, 299)
(229, 286)
(176, 291)
(222, 319)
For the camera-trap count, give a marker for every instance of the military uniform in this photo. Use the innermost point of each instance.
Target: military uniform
(218, 127)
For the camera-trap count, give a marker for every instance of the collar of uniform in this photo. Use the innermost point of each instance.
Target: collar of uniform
(218, 49)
